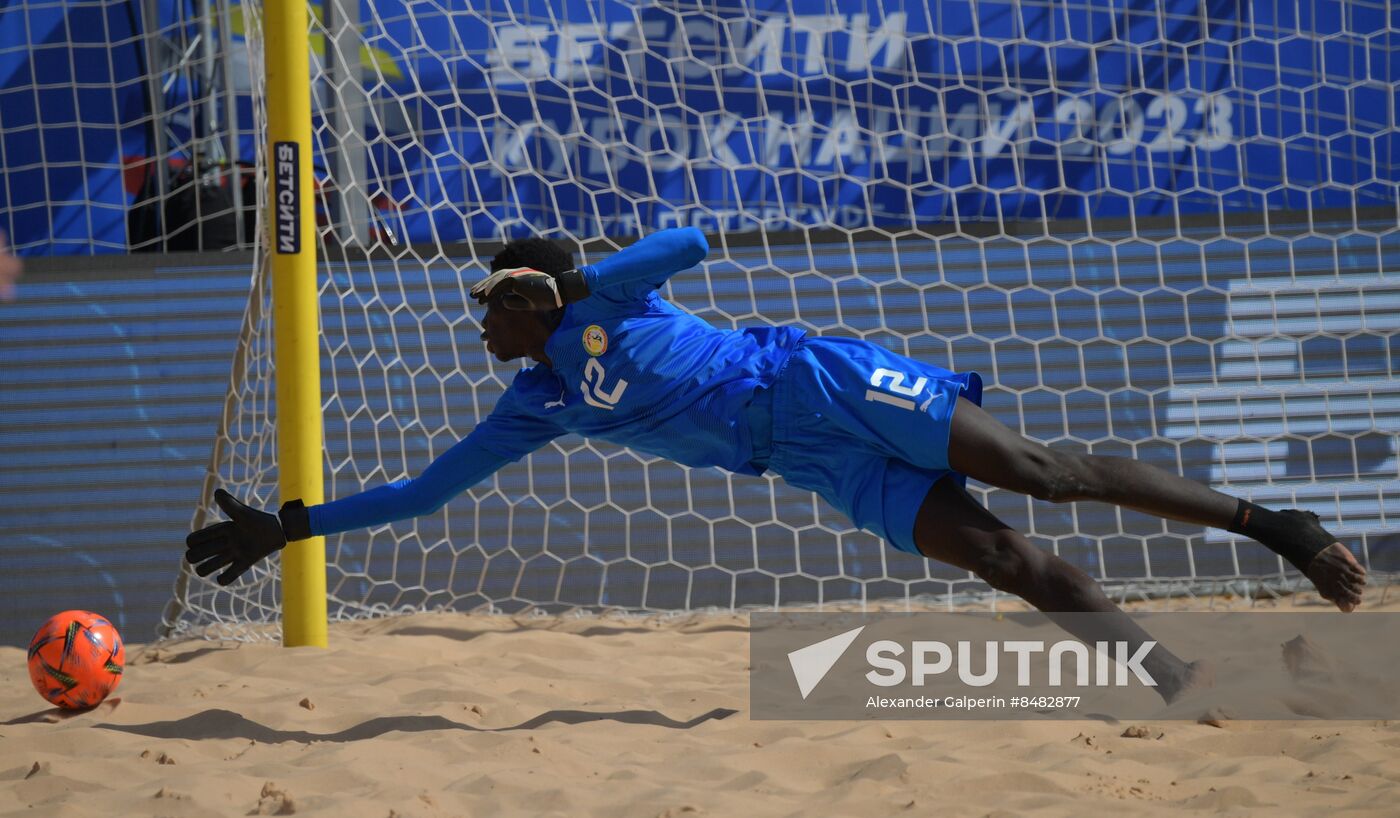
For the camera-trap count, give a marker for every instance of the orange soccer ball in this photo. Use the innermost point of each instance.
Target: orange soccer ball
(76, 659)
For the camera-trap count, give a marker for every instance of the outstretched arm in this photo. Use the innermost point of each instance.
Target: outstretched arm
(458, 469)
(250, 535)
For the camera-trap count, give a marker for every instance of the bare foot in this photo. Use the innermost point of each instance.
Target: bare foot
(1338, 577)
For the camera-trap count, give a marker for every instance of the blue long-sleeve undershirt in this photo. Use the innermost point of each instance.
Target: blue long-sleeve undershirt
(635, 270)
(458, 469)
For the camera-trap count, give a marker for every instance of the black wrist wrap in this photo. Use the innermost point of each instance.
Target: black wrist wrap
(572, 286)
(296, 521)
(1294, 535)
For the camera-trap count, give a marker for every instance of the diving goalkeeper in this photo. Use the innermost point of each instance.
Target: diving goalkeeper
(887, 440)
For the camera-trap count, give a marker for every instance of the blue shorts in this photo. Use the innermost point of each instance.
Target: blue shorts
(866, 429)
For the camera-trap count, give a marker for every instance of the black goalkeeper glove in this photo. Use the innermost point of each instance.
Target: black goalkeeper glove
(522, 288)
(246, 538)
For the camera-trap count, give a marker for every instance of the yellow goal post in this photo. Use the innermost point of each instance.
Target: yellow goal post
(296, 315)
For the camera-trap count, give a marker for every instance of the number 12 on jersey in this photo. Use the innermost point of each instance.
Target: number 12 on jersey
(896, 385)
(592, 387)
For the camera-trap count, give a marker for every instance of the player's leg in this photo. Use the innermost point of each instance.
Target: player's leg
(983, 448)
(953, 527)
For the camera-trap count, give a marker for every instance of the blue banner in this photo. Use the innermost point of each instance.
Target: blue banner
(494, 118)
(605, 117)
(73, 112)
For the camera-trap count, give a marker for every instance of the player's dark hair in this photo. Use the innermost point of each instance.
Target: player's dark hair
(538, 254)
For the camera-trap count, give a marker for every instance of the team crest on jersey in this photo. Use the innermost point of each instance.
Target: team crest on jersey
(595, 340)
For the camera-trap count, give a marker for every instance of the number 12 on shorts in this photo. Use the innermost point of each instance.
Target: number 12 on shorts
(896, 385)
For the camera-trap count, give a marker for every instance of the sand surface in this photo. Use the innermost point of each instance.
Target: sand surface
(447, 715)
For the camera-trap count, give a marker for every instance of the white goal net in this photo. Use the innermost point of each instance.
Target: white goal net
(1168, 234)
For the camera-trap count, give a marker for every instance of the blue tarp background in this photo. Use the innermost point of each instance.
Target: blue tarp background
(614, 116)
(72, 97)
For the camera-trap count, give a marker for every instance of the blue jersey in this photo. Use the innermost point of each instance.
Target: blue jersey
(644, 374)
(627, 367)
